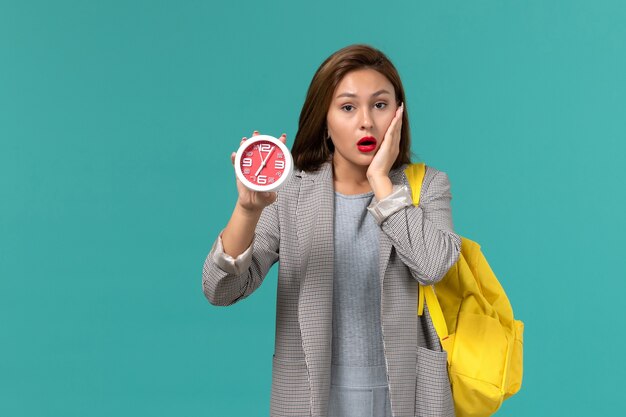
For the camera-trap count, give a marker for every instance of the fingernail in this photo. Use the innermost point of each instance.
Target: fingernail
(256, 131)
(284, 134)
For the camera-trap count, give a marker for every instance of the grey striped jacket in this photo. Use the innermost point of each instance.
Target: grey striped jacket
(417, 244)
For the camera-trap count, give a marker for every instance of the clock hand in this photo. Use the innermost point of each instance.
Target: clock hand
(258, 148)
(264, 161)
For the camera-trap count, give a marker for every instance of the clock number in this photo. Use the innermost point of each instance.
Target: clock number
(265, 147)
(247, 162)
(279, 164)
(261, 179)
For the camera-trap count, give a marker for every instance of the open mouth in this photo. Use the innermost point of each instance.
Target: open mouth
(366, 144)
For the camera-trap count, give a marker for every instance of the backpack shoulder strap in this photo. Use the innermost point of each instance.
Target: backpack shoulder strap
(415, 175)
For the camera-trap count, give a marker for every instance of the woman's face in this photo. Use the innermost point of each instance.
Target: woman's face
(361, 110)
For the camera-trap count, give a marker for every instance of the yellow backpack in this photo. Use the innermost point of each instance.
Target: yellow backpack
(474, 321)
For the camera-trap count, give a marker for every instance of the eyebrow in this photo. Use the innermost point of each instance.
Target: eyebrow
(379, 92)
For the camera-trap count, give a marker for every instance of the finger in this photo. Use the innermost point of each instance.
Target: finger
(256, 132)
(398, 125)
(394, 125)
(397, 121)
(283, 138)
(399, 112)
(269, 197)
(232, 155)
(398, 115)
(392, 130)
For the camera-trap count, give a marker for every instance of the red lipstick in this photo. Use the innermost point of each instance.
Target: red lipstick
(366, 144)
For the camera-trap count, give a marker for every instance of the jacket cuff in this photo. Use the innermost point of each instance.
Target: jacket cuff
(399, 198)
(226, 262)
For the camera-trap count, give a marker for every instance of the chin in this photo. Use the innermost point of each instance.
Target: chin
(361, 160)
(365, 162)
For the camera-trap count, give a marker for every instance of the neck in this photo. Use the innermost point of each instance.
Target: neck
(349, 178)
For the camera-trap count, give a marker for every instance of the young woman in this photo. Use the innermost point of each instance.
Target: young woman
(351, 249)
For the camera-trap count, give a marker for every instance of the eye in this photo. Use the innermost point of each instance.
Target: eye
(380, 105)
(347, 107)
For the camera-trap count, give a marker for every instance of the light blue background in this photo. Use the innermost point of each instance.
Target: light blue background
(117, 120)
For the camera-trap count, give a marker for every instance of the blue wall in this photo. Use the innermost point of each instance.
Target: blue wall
(117, 120)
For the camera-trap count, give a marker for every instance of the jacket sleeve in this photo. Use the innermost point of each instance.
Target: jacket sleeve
(226, 280)
(423, 235)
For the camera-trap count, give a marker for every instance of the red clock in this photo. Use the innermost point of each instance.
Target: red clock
(263, 163)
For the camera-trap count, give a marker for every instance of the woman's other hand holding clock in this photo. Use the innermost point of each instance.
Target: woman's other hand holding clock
(239, 232)
(250, 201)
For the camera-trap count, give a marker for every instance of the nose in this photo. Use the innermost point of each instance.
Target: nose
(366, 119)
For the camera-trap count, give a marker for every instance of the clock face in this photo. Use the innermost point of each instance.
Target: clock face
(263, 163)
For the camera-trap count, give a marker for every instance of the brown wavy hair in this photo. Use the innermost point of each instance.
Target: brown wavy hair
(312, 146)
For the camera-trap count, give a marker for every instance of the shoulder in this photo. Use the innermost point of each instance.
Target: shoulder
(312, 181)
(436, 181)
(435, 175)
(436, 184)
(398, 175)
(323, 172)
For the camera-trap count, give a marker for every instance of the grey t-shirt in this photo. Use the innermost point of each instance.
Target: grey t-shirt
(357, 338)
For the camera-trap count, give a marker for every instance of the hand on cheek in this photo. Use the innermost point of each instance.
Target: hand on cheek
(389, 148)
